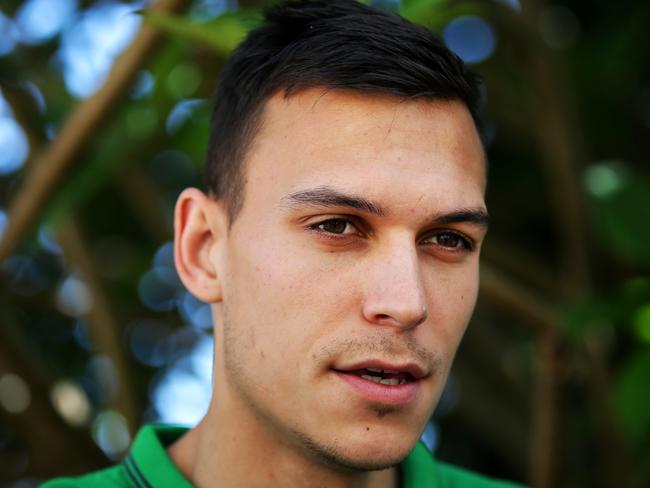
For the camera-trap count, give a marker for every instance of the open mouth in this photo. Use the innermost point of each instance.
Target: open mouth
(381, 376)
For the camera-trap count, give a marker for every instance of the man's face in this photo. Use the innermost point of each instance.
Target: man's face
(356, 247)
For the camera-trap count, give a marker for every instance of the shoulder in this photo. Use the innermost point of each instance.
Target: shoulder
(455, 477)
(147, 464)
(114, 477)
(420, 469)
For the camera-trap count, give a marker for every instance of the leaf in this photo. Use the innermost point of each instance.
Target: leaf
(417, 10)
(633, 396)
(642, 322)
(221, 35)
(435, 14)
(580, 317)
(619, 219)
(624, 309)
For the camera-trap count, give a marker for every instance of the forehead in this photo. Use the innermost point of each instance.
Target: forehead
(367, 144)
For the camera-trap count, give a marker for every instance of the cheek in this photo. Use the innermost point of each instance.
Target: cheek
(280, 297)
(452, 296)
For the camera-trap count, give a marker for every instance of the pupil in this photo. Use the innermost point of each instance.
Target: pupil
(448, 240)
(335, 226)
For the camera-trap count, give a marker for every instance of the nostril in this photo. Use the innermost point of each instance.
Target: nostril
(394, 311)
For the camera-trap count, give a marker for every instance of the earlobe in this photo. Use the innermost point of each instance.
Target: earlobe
(200, 228)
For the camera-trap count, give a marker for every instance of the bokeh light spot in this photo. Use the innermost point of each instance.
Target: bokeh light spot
(642, 323)
(80, 334)
(430, 436)
(14, 393)
(203, 10)
(202, 358)
(605, 178)
(4, 220)
(100, 368)
(164, 255)
(181, 398)
(141, 121)
(143, 85)
(40, 20)
(183, 80)
(182, 395)
(5, 108)
(9, 35)
(89, 46)
(36, 94)
(14, 144)
(24, 276)
(195, 312)
(145, 339)
(513, 4)
(158, 289)
(386, 5)
(110, 432)
(47, 242)
(73, 297)
(471, 38)
(71, 402)
(180, 113)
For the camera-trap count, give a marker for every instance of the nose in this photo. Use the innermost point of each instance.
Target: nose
(395, 295)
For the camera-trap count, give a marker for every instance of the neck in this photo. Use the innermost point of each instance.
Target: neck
(230, 451)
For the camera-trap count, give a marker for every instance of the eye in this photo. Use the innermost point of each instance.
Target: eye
(337, 226)
(449, 240)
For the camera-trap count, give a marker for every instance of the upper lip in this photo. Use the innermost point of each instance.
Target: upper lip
(414, 369)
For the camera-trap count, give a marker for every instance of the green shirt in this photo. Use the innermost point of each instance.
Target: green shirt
(148, 466)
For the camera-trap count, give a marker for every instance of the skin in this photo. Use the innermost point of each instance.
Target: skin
(358, 239)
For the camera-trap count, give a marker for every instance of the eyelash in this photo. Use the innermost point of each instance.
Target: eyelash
(466, 243)
(317, 227)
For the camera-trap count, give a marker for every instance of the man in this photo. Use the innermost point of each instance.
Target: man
(338, 244)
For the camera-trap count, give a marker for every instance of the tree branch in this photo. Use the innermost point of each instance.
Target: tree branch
(544, 455)
(104, 327)
(557, 145)
(79, 129)
(498, 289)
(146, 202)
(614, 452)
(39, 426)
(501, 291)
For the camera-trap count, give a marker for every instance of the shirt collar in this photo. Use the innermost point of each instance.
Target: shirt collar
(148, 465)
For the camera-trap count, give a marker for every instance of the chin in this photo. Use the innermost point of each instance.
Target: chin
(375, 460)
(368, 454)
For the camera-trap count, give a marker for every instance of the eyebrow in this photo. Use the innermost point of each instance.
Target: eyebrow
(476, 216)
(328, 197)
(325, 196)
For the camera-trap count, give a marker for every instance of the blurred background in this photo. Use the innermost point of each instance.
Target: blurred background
(104, 116)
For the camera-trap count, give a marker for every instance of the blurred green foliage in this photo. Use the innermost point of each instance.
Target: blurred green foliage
(594, 57)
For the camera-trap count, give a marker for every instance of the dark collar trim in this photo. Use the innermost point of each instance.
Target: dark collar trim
(135, 474)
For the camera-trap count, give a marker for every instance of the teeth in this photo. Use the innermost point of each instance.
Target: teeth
(375, 370)
(376, 379)
(390, 381)
(384, 381)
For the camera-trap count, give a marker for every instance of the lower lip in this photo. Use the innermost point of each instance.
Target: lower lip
(385, 394)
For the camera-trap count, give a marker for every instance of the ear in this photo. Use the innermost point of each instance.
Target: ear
(200, 230)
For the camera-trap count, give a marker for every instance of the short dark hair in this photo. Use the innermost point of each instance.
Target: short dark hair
(334, 44)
